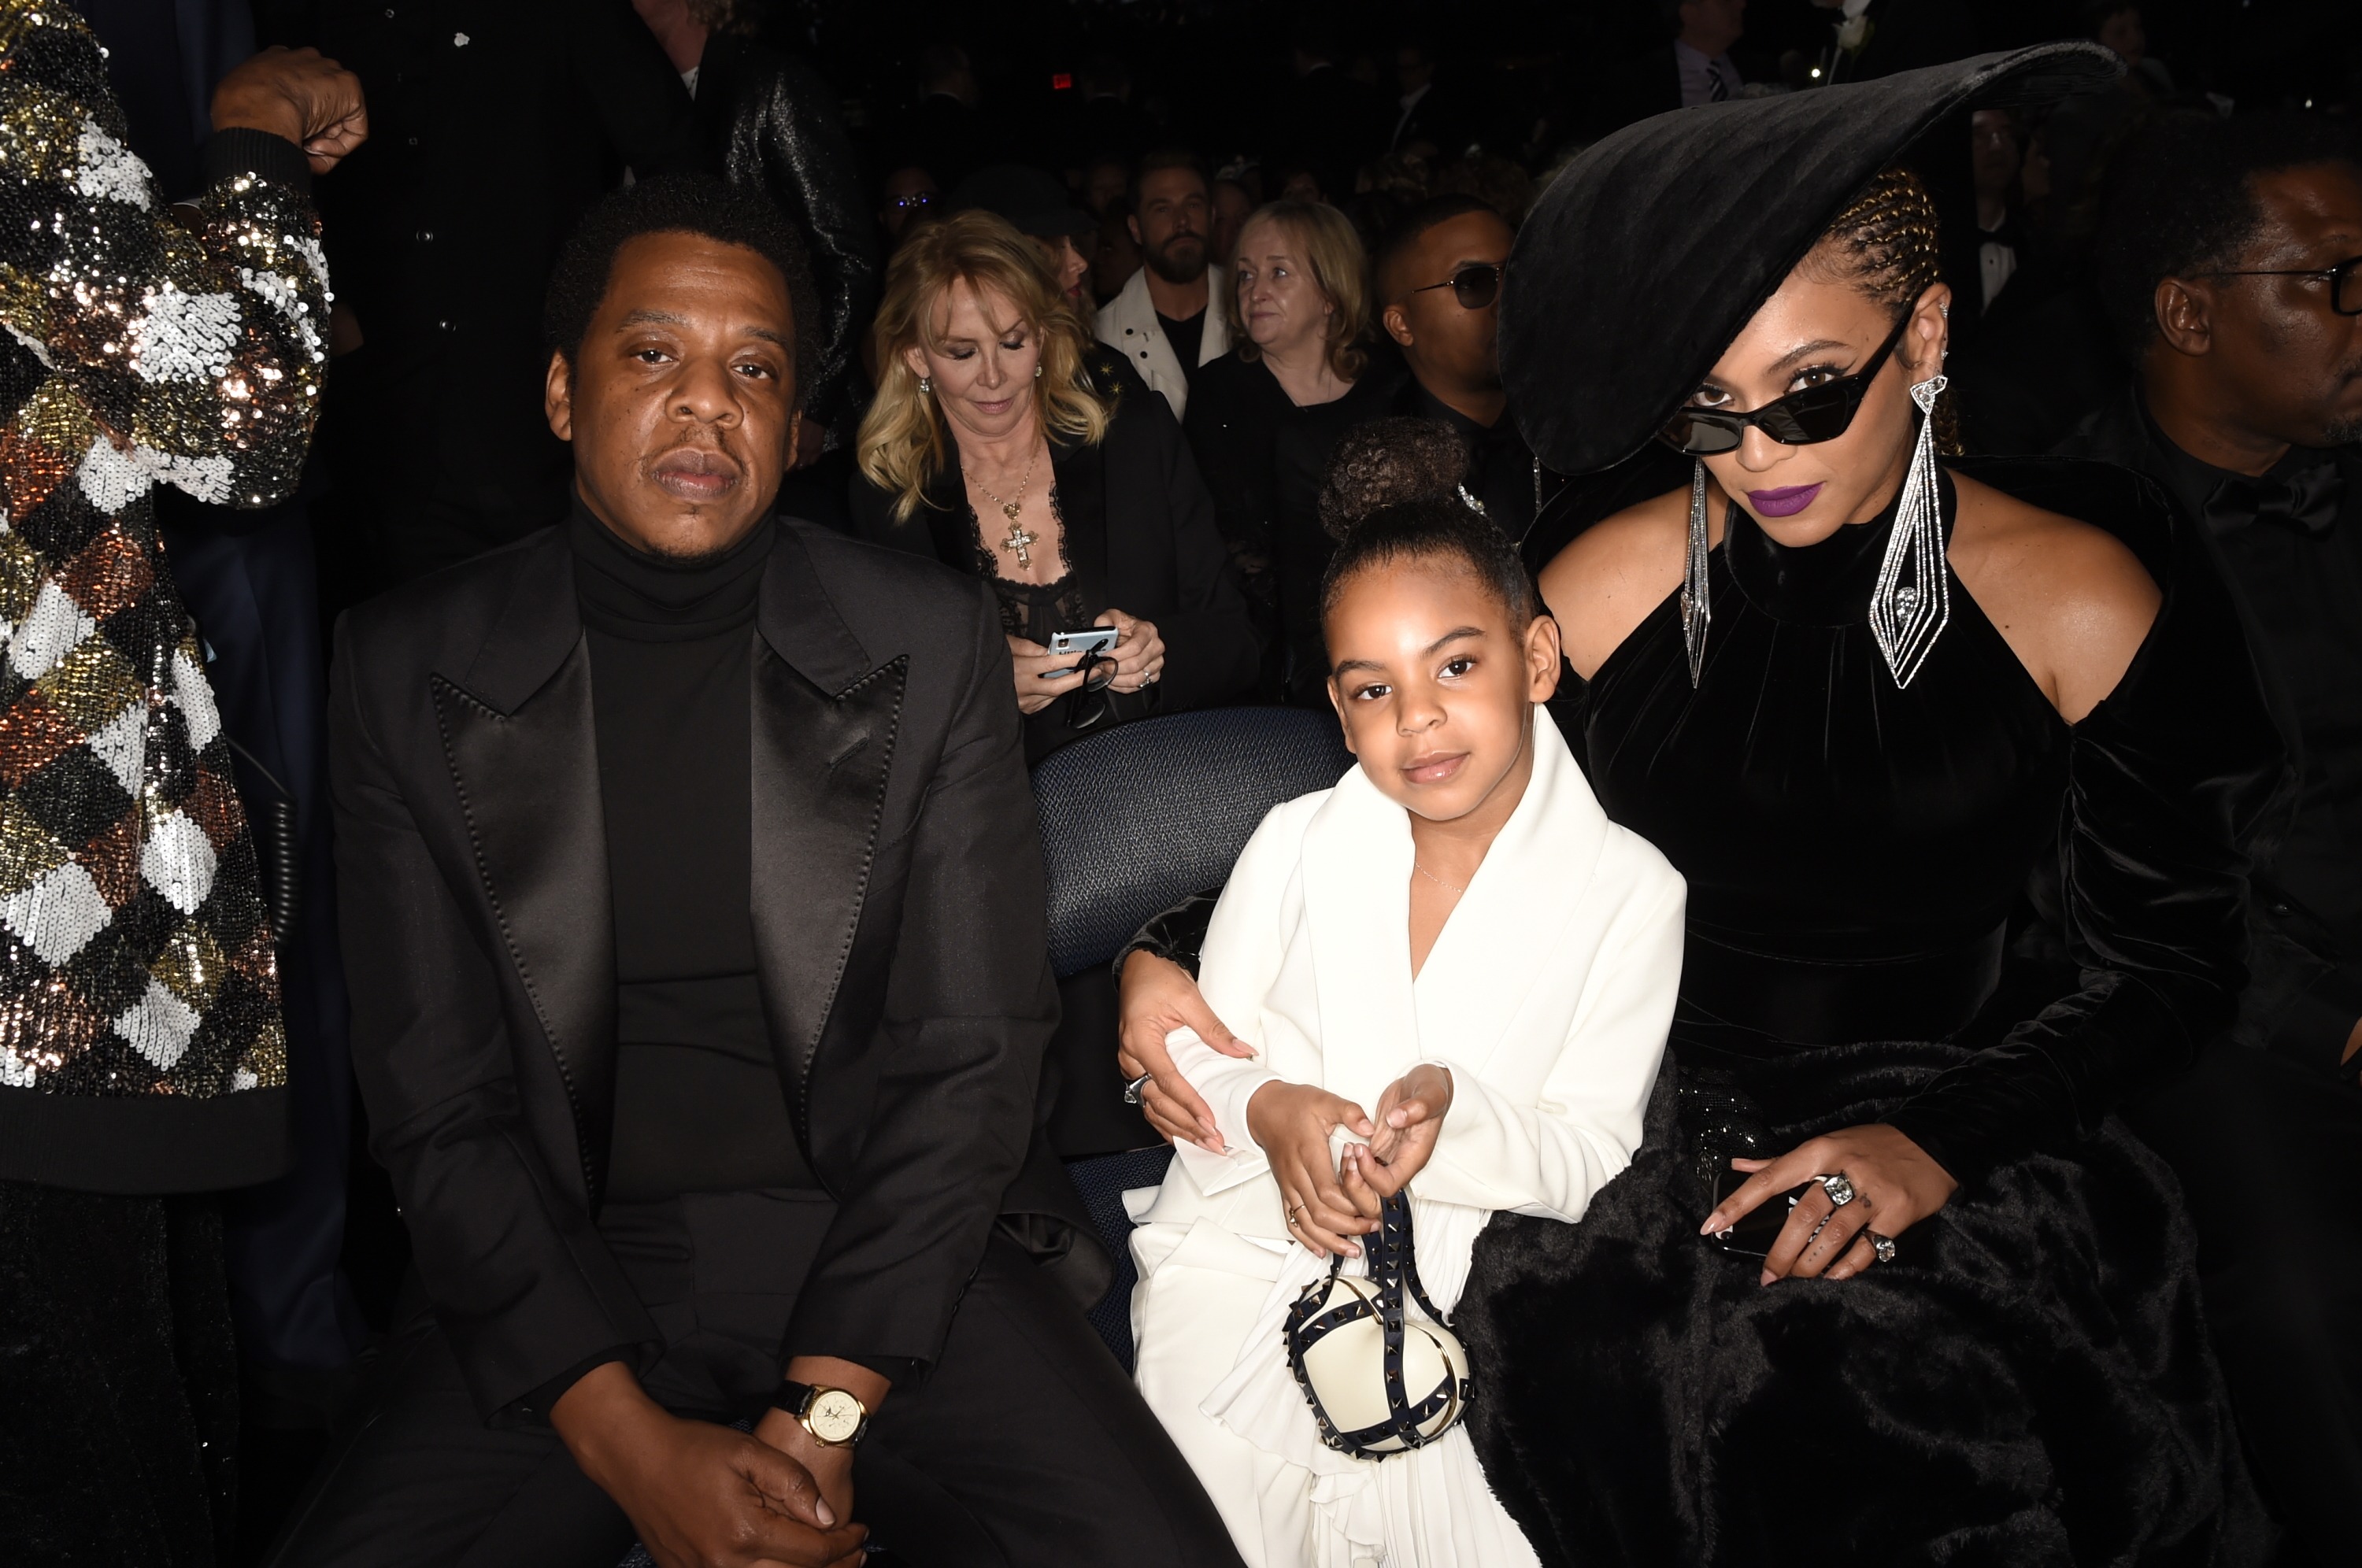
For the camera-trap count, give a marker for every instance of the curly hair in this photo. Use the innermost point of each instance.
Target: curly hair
(1392, 492)
(677, 204)
(1887, 242)
(903, 443)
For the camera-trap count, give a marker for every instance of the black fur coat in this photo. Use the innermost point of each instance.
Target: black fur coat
(2028, 1383)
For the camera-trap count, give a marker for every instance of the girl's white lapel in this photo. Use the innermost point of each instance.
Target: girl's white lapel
(1498, 943)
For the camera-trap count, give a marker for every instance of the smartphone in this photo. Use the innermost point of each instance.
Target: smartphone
(1091, 640)
(1097, 639)
(1760, 1226)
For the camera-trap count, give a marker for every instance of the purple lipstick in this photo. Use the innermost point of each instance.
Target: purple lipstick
(1785, 502)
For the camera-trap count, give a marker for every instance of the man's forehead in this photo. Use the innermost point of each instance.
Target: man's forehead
(1467, 236)
(691, 281)
(2310, 203)
(692, 322)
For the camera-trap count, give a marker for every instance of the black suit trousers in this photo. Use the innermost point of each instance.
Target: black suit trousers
(1027, 1443)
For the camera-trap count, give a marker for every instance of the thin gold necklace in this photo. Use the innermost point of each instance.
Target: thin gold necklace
(1434, 878)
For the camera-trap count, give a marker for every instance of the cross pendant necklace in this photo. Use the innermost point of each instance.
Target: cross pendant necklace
(1019, 540)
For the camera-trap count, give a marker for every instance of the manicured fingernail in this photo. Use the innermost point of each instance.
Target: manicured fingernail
(1768, 1277)
(1713, 1223)
(826, 1515)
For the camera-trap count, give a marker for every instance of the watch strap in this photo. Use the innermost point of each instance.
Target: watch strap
(796, 1398)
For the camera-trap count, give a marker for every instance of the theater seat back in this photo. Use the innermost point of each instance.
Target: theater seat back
(1133, 822)
(1145, 815)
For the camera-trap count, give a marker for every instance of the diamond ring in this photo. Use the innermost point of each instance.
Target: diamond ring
(1840, 1187)
(1132, 1090)
(1882, 1245)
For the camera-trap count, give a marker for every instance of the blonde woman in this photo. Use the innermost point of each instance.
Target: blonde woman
(1298, 304)
(1010, 447)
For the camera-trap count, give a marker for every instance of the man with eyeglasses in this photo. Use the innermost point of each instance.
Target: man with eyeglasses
(1440, 274)
(2229, 261)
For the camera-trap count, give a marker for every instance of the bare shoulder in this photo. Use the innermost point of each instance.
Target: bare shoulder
(1601, 587)
(2072, 601)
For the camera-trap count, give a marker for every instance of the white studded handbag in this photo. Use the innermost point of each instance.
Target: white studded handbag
(1381, 1379)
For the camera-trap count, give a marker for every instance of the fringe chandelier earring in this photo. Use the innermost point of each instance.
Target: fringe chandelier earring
(1696, 610)
(1913, 600)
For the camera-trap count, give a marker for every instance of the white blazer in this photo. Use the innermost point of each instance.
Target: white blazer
(1128, 325)
(1549, 995)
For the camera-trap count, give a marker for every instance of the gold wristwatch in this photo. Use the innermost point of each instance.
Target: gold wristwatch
(834, 1418)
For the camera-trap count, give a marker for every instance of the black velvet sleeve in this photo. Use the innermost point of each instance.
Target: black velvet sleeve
(1178, 934)
(2167, 779)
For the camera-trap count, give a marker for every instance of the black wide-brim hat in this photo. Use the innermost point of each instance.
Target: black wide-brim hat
(1648, 254)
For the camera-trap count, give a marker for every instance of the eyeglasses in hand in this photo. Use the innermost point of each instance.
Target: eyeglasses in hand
(1475, 286)
(2345, 280)
(1089, 703)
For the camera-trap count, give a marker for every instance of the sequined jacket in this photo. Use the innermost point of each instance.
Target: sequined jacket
(140, 1043)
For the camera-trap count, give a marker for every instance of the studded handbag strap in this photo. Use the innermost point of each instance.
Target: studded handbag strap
(1392, 1268)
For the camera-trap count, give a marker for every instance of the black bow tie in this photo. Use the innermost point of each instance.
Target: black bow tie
(2307, 499)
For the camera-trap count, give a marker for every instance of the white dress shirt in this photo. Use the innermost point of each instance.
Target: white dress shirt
(1699, 75)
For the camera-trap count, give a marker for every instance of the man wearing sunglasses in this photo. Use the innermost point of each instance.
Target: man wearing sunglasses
(2230, 264)
(1440, 274)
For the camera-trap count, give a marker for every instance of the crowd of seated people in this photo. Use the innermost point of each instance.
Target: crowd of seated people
(1839, 569)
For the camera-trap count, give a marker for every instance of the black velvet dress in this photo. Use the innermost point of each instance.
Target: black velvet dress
(2029, 1382)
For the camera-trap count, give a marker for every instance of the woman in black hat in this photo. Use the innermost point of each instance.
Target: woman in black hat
(1865, 701)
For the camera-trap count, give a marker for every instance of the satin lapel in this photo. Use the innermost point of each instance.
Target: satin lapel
(1504, 940)
(518, 734)
(1357, 869)
(824, 728)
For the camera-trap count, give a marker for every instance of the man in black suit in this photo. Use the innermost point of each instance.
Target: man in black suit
(695, 920)
(1440, 274)
(2221, 261)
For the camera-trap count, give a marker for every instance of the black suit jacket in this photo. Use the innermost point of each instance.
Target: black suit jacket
(898, 923)
(2304, 989)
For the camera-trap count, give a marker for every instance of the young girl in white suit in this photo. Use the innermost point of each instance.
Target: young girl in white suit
(1450, 973)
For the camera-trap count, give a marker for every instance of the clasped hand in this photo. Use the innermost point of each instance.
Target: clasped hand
(700, 1494)
(1327, 1205)
(1897, 1184)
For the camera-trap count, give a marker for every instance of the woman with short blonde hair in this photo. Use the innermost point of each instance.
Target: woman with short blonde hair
(1299, 307)
(1322, 241)
(1003, 443)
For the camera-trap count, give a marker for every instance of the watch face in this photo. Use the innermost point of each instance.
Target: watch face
(834, 1415)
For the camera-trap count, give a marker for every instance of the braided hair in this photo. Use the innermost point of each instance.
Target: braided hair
(1887, 243)
(1392, 492)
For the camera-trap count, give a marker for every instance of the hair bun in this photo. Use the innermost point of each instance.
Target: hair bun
(1388, 462)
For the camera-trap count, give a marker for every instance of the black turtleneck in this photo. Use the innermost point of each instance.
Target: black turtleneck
(698, 1103)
